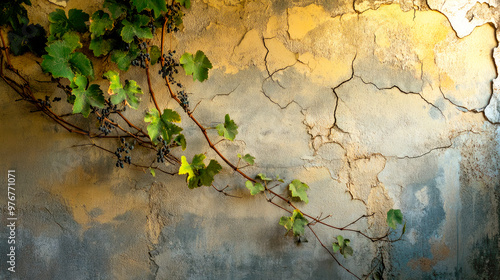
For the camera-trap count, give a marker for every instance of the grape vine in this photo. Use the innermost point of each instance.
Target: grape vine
(123, 30)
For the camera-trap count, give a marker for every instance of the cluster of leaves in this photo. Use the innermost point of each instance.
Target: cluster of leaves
(24, 37)
(199, 174)
(342, 245)
(163, 125)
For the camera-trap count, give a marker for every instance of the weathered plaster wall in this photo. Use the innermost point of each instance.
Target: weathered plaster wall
(375, 106)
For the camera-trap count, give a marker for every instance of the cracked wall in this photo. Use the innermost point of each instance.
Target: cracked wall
(375, 104)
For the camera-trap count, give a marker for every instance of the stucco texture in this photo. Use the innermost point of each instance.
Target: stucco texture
(374, 104)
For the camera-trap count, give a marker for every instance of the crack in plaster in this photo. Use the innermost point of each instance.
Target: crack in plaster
(224, 94)
(438, 148)
(405, 92)
(337, 99)
(460, 107)
(55, 221)
(269, 74)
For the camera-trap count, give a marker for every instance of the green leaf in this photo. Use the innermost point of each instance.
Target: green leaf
(198, 174)
(99, 23)
(28, 38)
(263, 177)
(86, 97)
(152, 171)
(13, 13)
(157, 6)
(394, 217)
(181, 141)
(162, 125)
(119, 93)
(299, 189)
(116, 7)
(247, 158)
(123, 59)
(254, 189)
(136, 29)
(228, 129)
(154, 53)
(62, 62)
(197, 66)
(60, 24)
(342, 245)
(198, 161)
(101, 46)
(279, 179)
(81, 64)
(207, 174)
(185, 3)
(296, 222)
(340, 240)
(336, 247)
(77, 19)
(348, 251)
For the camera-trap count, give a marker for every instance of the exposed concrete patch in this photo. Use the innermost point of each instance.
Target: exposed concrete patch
(467, 69)
(363, 174)
(439, 252)
(460, 13)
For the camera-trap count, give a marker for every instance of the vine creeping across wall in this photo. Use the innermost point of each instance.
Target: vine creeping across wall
(122, 31)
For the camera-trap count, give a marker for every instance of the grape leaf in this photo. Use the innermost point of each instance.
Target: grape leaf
(247, 158)
(13, 13)
(155, 54)
(99, 23)
(123, 59)
(197, 66)
(117, 7)
(207, 174)
(228, 129)
(394, 217)
(185, 3)
(152, 171)
(199, 174)
(296, 222)
(263, 177)
(62, 62)
(157, 6)
(299, 189)
(81, 64)
(135, 28)
(101, 46)
(279, 179)
(60, 24)
(342, 245)
(186, 167)
(162, 125)
(28, 38)
(86, 97)
(119, 93)
(254, 189)
(181, 141)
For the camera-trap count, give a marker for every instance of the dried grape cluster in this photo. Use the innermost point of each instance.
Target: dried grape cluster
(125, 147)
(141, 58)
(163, 151)
(105, 123)
(169, 67)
